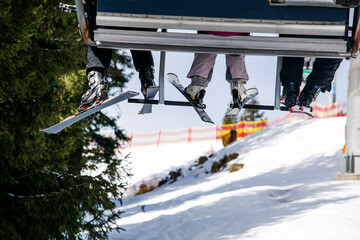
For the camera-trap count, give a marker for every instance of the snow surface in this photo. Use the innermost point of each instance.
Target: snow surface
(286, 189)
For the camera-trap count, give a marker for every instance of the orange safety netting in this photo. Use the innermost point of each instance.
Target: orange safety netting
(216, 132)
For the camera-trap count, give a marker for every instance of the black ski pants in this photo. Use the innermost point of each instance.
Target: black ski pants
(322, 74)
(100, 58)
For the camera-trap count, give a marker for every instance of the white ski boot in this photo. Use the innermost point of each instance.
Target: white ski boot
(196, 90)
(238, 91)
(240, 96)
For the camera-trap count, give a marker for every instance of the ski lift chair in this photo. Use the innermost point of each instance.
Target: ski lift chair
(277, 28)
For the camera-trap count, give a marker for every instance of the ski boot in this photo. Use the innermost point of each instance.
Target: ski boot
(290, 94)
(238, 92)
(97, 92)
(196, 90)
(307, 96)
(147, 79)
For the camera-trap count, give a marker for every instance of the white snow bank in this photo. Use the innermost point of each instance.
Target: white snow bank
(286, 190)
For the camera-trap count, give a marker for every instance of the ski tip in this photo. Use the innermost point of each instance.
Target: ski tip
(309, 114)
(133, 93)
(43, 130)
(46, 131)
(143, 113)
(252, 91)
(205, 119)
(171, 75)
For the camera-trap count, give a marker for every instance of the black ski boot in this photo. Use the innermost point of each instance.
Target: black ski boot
(307, 96)
(290, 94)
(97, 92)
(146, 78)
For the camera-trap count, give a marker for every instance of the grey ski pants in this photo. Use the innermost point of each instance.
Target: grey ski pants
(203, 65)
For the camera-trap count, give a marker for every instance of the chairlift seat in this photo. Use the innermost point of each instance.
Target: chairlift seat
(321, 28)
(328, 27)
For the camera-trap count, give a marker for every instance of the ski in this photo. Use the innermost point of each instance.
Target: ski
(236, 108)
(300, 109)
(67, 8)
(174, 80)
(150, 95)
(80, 115)
(307, 111)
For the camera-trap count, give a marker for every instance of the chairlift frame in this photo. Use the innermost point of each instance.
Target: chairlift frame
(318, 28)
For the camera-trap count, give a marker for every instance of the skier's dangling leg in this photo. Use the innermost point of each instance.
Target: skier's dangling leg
(200, 74)
(143, 63)
(97, 92)
(290, 95)
(238, 91)
(237, 76)
(308, 95)
(196, 89)
(146, 76)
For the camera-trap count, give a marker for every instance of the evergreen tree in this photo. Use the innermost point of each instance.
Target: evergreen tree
(47, 191)
(229, 120)
(246, 114)
(251, 114)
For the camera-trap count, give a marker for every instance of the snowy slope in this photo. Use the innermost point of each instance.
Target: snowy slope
(286, 190)
(154, 162)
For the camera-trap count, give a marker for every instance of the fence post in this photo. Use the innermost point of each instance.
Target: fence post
(158, 141)
(217, 132)
(189, 135)
(243, 129)
(131, 139)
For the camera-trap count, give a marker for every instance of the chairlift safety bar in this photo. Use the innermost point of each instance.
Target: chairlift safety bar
(226, 25)
(250, 45)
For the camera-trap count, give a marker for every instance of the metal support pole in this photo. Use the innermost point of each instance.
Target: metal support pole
(352, 164)
(278, 84)
(84, 29)
(352, 171)
(353, 114)
(162, 75)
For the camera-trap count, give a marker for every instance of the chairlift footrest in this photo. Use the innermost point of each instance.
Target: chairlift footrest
(187, 104)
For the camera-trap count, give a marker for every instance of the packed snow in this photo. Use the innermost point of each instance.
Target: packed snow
(286, 189)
